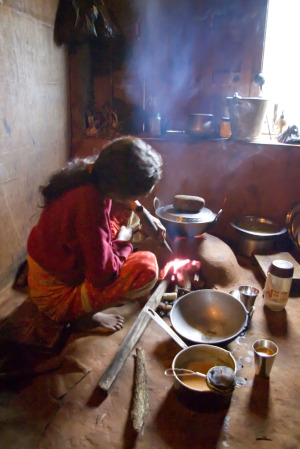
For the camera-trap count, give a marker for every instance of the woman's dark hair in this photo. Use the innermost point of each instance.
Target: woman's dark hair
(126, 167)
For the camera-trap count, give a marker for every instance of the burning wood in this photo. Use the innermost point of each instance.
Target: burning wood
(165, 308)
(170, 296)
(185, 277)
(197, 282)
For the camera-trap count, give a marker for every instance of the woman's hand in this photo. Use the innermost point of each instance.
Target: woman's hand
(125, 234)
(162, 232)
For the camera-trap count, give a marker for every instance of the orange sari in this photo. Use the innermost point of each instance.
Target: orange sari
(65, 303)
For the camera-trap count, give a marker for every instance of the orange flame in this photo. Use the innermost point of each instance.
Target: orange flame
(178, 266)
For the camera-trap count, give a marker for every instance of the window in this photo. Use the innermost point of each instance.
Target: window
(281, 63)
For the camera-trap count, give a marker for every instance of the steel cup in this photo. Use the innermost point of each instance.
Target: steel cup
(248, 295)
(265, 352)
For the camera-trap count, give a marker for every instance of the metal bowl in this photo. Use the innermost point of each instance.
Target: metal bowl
(256, 235)
(209, 316)
(201, 353)
(257, 227)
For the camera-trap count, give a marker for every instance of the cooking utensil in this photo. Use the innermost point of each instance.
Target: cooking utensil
(201, 125)
(183, 223)
(221, 379)
(293, 224)
(166, 328)
(209, 316)
(200, 354)
(246, 116)
(256, 235)
(248, 295)
(265, 352)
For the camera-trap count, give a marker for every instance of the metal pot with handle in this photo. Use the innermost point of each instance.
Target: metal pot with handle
(201, 125)
(185, 224)
(207, 317)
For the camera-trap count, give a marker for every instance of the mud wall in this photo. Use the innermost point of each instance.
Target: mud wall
(34, 119)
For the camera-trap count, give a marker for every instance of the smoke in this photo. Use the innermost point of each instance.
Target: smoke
(162, 61)
(187, 55)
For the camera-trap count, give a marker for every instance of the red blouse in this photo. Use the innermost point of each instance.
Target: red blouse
(72, 239)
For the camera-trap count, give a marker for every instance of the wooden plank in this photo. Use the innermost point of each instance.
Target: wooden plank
(132, 338)
(265, 260)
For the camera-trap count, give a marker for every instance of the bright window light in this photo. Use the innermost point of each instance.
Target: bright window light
(281, 64)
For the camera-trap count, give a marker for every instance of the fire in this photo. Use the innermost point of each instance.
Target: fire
(179, 268)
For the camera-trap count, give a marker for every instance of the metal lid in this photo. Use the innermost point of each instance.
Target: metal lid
(170, 213)
(281, 268)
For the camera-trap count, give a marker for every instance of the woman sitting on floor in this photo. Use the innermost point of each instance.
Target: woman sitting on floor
(80, 257)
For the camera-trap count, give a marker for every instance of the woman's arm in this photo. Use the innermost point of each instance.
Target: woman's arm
(103, 258)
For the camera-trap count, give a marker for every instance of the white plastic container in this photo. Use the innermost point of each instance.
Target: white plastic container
(278, 284)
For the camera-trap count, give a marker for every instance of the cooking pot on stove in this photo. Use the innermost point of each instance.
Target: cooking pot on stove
(185, 224)
(209, 316)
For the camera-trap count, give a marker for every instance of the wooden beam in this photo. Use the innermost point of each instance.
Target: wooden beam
(132, 338)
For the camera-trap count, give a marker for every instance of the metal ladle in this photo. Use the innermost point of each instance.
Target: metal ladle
(220, 379)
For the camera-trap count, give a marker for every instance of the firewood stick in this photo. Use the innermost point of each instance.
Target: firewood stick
(140, 405)
(132, 338)
(170, 296)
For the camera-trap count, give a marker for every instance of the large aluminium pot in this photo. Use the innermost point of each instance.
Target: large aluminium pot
(210, 317)
(246, 116)
(185, 224)
(257, 235)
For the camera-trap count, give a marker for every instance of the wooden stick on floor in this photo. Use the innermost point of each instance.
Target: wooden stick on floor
(132, 338)
(140, 405)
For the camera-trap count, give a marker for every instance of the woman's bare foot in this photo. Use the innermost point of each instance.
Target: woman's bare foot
(99, 322)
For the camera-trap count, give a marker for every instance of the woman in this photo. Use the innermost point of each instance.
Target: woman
(80, 257)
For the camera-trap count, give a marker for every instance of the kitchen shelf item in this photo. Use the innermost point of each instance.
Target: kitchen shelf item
(225, 128)
(246, 117)
(201, 125)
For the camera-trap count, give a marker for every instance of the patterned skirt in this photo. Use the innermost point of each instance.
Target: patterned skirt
(64, 303)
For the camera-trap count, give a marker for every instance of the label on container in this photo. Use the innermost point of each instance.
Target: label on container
(271, 294)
